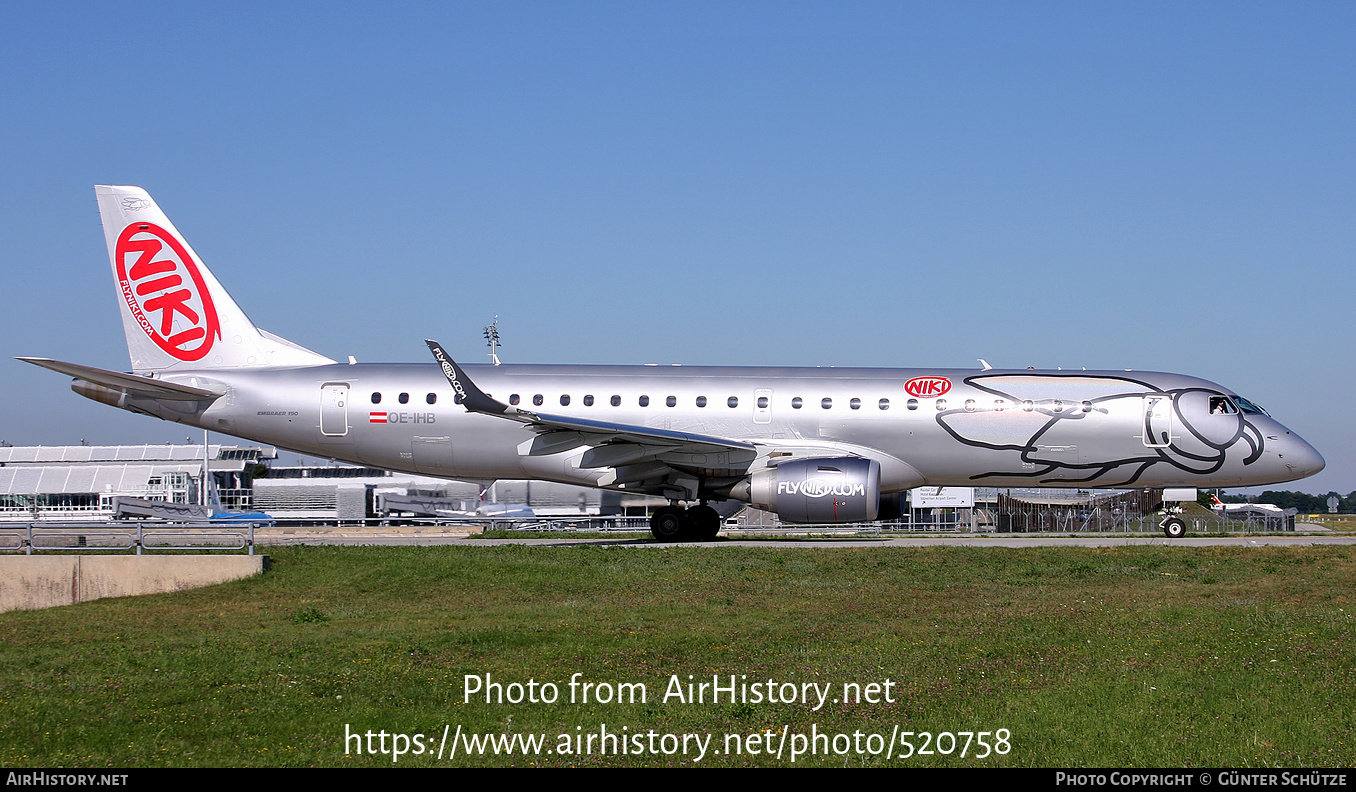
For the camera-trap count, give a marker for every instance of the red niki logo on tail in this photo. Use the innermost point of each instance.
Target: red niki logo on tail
(165, 292)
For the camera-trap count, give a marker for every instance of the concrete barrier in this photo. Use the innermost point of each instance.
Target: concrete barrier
(48, 581)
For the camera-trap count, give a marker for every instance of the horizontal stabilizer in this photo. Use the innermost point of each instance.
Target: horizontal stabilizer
(131, 383)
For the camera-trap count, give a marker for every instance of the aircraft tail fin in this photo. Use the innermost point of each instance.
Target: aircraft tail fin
(175, 314)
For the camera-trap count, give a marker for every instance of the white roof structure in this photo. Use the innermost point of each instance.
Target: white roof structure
(52, 470)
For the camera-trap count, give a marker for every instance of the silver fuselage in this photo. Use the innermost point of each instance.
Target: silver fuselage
(1001, 428)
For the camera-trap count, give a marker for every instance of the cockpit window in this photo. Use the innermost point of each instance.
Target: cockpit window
(1220, 405)
(1249, 408)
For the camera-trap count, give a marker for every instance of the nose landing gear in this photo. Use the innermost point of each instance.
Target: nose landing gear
(1174, 527)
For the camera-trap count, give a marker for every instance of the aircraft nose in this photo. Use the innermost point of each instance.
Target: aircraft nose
(1302, 458)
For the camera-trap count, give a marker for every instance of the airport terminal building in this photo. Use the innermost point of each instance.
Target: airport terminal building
(81, 482)
(62, 483)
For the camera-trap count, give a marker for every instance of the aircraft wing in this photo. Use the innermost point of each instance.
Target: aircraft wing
(611, 444)
(131, 383)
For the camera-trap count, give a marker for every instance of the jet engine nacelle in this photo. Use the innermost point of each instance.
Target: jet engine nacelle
(833, 490)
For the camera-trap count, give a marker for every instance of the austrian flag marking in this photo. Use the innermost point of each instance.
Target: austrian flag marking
(376, 417)
(165, 292)
(927, 387)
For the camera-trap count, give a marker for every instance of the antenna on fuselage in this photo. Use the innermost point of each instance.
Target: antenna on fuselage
(492, 338)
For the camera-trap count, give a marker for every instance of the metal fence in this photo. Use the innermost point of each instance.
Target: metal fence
(1094, 518)
(138, 536)
(148, 536)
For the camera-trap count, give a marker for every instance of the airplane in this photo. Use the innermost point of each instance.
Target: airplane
(812, 445)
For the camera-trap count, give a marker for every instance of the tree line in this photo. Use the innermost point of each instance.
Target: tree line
(1303, 501)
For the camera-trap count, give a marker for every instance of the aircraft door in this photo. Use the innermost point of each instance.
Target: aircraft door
(762, 406)
(1158, 420)
(334, 409)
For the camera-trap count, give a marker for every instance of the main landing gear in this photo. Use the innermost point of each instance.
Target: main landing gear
(673, 523)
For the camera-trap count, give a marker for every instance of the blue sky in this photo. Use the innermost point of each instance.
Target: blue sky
(1158, 186)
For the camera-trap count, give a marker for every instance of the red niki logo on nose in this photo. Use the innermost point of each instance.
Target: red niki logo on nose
(165, 291)
(924, 387)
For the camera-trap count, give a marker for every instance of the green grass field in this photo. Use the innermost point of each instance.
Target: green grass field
(1134, 656)
(1340, 523)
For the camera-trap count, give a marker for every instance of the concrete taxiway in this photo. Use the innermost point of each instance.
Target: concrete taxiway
(425, 538)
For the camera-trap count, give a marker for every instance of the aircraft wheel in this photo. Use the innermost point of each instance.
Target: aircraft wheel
(1174, 527)
(666, 524)
(705, 522)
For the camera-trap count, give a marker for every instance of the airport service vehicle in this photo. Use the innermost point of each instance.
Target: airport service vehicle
(813, 445)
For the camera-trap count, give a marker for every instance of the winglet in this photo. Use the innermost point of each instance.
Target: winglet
(472, 398)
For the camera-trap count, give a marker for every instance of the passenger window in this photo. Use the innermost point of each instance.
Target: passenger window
(671, 401)
(969, 405)
(513, 399)
(912, 404)
(588, 400)
(826, 403)
(941, 405)
(564, 401)
(376, 398)
(855, 404)
(616, 401)
(456, 398)
(431, 398)
(1087, 406)
(404, 398)
(644, 401)
(701, 401)
(1027, 405)
(537, 399)
(998, 405)
(762, 402)
(733, 401)
(884, 404)
(796, 403)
